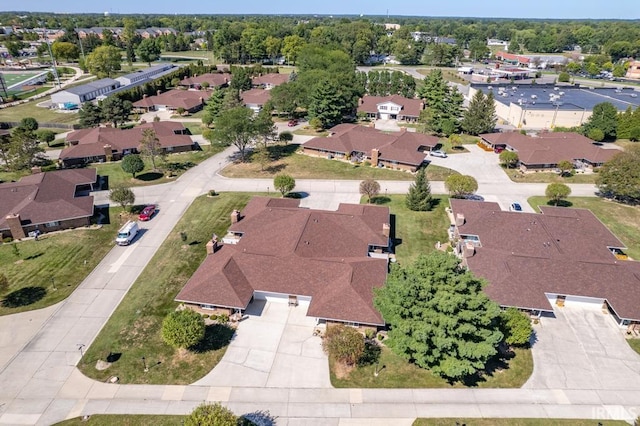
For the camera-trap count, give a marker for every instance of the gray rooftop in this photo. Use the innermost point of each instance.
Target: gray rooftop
(148, 71)
(93, 85)
(564, 97)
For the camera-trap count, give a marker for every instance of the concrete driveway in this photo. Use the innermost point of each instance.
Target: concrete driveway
(274, 347)
(582, 348)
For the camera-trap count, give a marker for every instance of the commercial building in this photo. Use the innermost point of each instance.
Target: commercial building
(74, 97)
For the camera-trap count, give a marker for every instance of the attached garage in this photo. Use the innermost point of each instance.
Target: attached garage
(282, 298)
(576, 301)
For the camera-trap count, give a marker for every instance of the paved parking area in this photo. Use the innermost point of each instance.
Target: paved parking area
(582, 348)
(273, 347)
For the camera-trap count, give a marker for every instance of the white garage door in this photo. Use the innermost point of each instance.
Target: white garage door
(584, 302)
(271, 297)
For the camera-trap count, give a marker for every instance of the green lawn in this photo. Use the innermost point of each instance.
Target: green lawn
(133, 331)
(204, 54)
(300, 166)
(125, 420)
(180, 162)
(622, 220)
(42, 115)
(517, 422)
(398, 373)
(194, 128)
(46, 271)
(416, 232)
(308, 131)
(549, 177)
(635, 344)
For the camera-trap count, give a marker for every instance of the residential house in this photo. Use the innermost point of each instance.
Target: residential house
(513, 59)
(189, 100)
(100, 144)
(270, 80)
(214, 80)
(74, 97)
(255, 98)
(497, 42)
(545, 150)
(45, 202)
(536, 261)
(397, 150)
(328, 261)
(394, 107)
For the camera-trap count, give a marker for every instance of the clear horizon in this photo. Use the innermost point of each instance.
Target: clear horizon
(498, 9)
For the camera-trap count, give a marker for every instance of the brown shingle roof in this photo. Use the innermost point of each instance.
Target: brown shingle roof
(271, 79)
(551, 147)
(187, 99)
(289, 250)
(403, 147)
(257, 97)
(410, 107)
(214, 80)
(90, 142)
(562, 251)
(47, 197)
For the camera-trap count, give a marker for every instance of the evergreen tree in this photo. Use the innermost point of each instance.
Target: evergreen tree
(480, 115)
(625, 123)
(326, 104)
(419, 196)
(439, 317)
(604, 118)
(115, 110)
(90, 115)
(213, 107)
(442, 105)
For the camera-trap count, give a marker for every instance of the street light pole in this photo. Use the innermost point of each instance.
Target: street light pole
(144, 363)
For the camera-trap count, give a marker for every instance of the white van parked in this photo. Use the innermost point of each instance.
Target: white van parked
(127, 233)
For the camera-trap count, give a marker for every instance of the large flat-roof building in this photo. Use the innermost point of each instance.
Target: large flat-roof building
(65, 99)
(546, 106)
(144, 75)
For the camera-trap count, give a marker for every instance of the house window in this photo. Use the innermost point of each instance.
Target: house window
(382, 107)
(52, 224)
(352, 324)
(210, 307)
(169, 148)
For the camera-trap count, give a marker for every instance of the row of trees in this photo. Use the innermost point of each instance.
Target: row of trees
(110, 110)
(21, 150)
(607, 124)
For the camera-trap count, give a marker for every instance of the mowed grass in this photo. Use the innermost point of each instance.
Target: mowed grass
(415, 232)
(549, 177)
(396, 372)
(181, 162)
(42, 115)
(133, 331)
(621, 219)
(285, 159)
(46, 271)
(635, 344)
(517, 422)
(125, 420)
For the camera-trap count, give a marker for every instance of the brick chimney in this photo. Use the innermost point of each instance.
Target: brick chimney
(374, 157)
(212, 245)
(360, 101)
(421, 106)
(469, 250)
(15, 226)
(108, 152)
(235, 216)
(144, 96)
(35, 170)
(460, 219)
(159, 92)
(386, 229)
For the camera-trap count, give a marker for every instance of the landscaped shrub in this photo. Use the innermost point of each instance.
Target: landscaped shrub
(183, 329)
(344, 344)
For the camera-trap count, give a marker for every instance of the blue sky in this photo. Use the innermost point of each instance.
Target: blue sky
(593, 9)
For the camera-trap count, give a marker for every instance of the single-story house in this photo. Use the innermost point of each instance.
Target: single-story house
(397, 150)
(537, 261)
(102, 144)
(214, 80)
(255, 98)
(270, 80)
(190, 100)
(329, 261)
(45, 202)
(74, 97)
(547, 149)
(393, 107)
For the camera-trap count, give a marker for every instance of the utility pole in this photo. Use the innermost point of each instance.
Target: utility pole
(53, 59)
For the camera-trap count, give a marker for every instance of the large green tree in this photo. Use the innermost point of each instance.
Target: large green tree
(605, 118)
(439, 317)
(460, 185)
(148, 50)
(122, 195)
(236, 127)
(104, 61)
(480, 117)
(183, 329)
(557, 192)
(343, 344)
(419, 195)
(150, 146)
(326, 104)
(213, 108)
(65, 51)
(90, 115)
(442, 105)
(115, 110)
(619, 178)
(23, 150)
(133, 164)
(284, 183)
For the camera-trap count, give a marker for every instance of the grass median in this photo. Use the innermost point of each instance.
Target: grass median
(518, 422)
(300, 166)
(133, 331)
(41, 114)
(44, 272)
(621, 219)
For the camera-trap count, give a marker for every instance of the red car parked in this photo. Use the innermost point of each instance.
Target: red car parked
(292, 123)
(147, 213)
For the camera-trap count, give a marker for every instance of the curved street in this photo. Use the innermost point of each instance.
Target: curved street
(40, 384)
